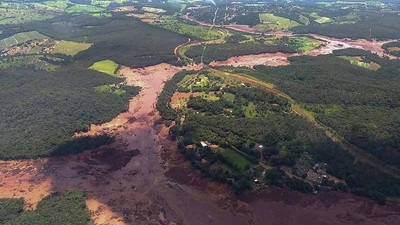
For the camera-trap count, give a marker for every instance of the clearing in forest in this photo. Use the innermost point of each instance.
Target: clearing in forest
(272, 22)
(359, 61)
(70, 48)
(106, 66)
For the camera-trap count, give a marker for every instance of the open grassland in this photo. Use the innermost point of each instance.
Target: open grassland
(106, 66)
(58, 208)
(70, 48)
(358, 61)
(110, 89)
(57, 4)
(305, 44)
(20, 38)
(274, 23)
(79, 8)
(235, 158)
(320, 19)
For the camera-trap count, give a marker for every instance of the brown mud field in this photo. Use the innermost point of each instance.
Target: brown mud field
(141, 179)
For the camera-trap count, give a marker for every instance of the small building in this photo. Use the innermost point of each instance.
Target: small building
(203, 144)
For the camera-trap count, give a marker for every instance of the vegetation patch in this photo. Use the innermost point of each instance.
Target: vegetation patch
(359, 61)
(42, 123)
(196, 31)
(58, 208)
(235, 158)
(79, 8)
(392, 48)
(70, 48)
(270, 22)
(111, 89)
(106, 66)
(20, 38)
(38, 62)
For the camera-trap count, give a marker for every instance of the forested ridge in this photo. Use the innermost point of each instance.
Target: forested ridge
(41, 110)
(362, 105)
(286, 137)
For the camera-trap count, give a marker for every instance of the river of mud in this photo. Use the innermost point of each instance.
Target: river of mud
(140, 179)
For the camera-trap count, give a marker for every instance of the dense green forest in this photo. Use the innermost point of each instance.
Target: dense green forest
(41, 110)
(286, 138)
(238, 45)
(362, 105)
(58, 208)
(376, 25)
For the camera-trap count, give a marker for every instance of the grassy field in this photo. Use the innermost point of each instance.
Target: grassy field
(70, 48)
(306, 43)
(235, 158)
(58, 4)
(106, 66)
(208, 97)
(321, 19)
(20, 38)
(83, 8)
(358, 61)
(110, 89)
(228, 96)
(250, 110)
(272, 22)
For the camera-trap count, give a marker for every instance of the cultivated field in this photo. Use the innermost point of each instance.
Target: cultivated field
(69, 47)
(20, 38)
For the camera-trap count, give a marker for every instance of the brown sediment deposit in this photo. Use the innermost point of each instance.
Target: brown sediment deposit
(277, 206)
(268, 59)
